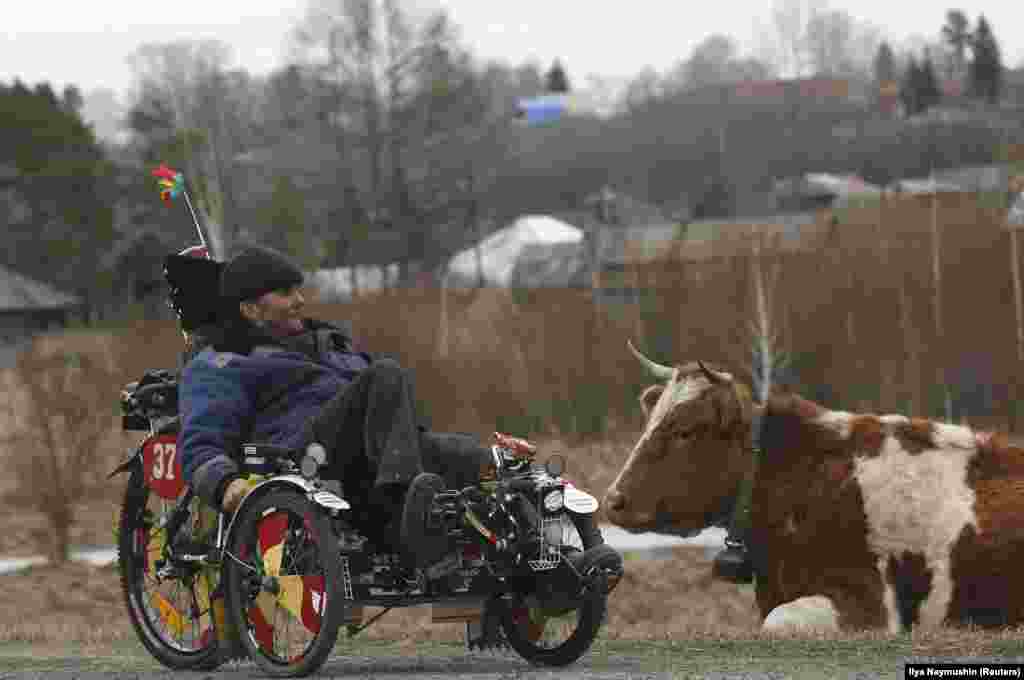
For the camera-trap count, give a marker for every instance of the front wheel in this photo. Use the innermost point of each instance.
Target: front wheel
(284, 595)
(548, 637)
(170, 607)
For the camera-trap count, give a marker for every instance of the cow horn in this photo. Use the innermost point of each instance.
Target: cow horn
(656, 370)
(709, 374)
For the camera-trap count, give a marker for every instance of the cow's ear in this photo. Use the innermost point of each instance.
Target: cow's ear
(649, 397)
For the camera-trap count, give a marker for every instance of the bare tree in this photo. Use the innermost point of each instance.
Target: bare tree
(189, 80)
(716, 60)
(643, 91)
(59, 413)
(804, 37)
(956, 33)
(784, 40)
(829, 38)
(392, 73)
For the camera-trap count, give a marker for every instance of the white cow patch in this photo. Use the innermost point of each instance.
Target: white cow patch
(918, 504)
(893, 419)
(815, 613)
(953, 436)
(837, 421)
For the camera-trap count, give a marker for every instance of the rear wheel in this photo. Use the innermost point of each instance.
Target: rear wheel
(557, 637)
(169, 607)
(282, 580)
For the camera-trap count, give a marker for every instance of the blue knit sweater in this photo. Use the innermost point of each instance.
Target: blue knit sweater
(267, 394)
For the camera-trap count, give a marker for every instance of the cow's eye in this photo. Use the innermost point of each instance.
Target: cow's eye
(687, 434)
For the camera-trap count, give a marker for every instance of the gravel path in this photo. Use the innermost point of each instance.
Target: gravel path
(476, 666)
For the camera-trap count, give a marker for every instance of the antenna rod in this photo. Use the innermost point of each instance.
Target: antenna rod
(199, 229)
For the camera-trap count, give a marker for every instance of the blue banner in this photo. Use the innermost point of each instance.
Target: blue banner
(543, 110)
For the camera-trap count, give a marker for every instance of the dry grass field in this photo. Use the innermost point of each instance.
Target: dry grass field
(539, 368)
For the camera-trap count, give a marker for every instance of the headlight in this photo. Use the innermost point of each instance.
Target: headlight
(554, 500)
(310, 464)
(309, 467)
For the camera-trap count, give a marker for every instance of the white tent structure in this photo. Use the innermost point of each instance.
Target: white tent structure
(499, 252)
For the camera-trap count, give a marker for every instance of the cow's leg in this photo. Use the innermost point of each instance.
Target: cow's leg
(935, 607)
(890, 597)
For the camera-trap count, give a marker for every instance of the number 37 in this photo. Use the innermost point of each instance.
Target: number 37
(163, 460)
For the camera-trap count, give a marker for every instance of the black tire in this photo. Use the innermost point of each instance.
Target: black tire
(589, 616)
(136, 538)
(308, 548)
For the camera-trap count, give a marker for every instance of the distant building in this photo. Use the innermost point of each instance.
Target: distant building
(1013, 88)
(969, 178)
(619, 229)
(28, 307)
(816, 190)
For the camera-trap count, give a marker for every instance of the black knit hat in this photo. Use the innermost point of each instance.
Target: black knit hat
(256, 271)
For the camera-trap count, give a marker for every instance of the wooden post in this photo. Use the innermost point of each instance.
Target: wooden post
(443, 331)
(1015, 268)
(937, 301)
(1013, 223)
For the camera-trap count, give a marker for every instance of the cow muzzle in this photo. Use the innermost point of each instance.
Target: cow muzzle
(620, 512)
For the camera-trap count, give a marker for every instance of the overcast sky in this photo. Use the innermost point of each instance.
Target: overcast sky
(86, 43)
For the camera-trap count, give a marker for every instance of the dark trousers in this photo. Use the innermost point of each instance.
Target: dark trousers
(376, 447)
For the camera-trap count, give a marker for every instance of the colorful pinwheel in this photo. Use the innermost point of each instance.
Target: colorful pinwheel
(171, 182)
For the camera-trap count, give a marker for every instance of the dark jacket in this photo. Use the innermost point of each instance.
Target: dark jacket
(248, 386)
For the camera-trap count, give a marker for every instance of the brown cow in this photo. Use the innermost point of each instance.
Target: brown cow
(883, 521)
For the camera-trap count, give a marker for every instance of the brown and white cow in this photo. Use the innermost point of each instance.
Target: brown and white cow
(881, 521)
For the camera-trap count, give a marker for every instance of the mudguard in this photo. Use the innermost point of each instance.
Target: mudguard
(126, 466)
(579, 502)
(321, 497)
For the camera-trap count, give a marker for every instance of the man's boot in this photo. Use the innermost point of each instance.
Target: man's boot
(422, 543)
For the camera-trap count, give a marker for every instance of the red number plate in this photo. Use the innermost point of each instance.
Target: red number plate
(163, 467)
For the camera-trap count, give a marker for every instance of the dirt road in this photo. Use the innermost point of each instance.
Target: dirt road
(609, 660)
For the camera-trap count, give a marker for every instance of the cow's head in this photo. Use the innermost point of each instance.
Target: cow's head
(687, 467)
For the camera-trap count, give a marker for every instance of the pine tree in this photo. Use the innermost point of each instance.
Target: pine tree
(985, 73)
(884, 64)
(929, 93)
(556, 79)
(63, 181)
(956, 34)
(910, 88)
